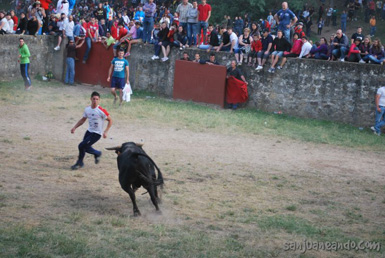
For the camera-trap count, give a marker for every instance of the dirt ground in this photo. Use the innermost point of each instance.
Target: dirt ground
(206, 173)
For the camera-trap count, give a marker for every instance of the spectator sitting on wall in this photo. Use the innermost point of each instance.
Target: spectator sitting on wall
(280, 45)
(121, 36)
(8, 17)
(69, 28)
(210, 61)
(321, 51)
(164, 41)
(295, 49)
(33, 26)
(22, 27)
(340, 46)
(256, 46)
(306, 47)
(244, 45)
(137, 39)
(155, 41)
(226, 43)
(108, 40)
(59, 33)
(263, 55)
(91, 36)
(376, 53)
(3, 23)
(364, 50)
(185, 57)
(213, 38)
(180, 39)
(354, 51)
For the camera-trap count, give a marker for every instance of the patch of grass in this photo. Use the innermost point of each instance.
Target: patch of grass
(291, 207)
(197, 117)
(27, 138)
(299, 226)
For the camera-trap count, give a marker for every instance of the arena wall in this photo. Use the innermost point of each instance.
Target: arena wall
(333, 91)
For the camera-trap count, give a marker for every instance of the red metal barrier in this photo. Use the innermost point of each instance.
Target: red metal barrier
(95, 71)
(199, 83)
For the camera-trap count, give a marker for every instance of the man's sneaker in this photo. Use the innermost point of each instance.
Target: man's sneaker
(362, 61)
(373, 129)
(342, 59)
(97, 158)
(279, 67)
(259, 68)
(77, 166)
(272, 70)
(164, 59)
(155, 57)
(57, 48)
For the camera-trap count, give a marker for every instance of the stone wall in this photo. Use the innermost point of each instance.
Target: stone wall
(43, 57)
(333, 91)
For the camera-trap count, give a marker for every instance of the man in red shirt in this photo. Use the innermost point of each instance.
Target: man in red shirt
(91, 36)
(204, 10)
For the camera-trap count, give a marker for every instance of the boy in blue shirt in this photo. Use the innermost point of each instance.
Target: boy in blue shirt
(120, 77)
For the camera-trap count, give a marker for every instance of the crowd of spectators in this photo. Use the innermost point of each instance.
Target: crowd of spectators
(183, 24)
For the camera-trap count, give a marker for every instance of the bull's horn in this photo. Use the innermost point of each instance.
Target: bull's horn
(140, 144)
(114, 148)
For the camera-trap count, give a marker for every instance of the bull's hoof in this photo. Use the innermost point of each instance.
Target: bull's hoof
(158, 212)
(137, 213)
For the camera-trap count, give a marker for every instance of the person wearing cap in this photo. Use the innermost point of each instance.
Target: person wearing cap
(263, 55)
(71, 56)
(285, 19)
(299, 30)
(354, 51)
(380, 111)
(39, 12)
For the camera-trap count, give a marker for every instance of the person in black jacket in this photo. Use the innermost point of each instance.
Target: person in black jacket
(22, 27)
(164, 42)
(33, 26)
(280, 45)
(214, 39)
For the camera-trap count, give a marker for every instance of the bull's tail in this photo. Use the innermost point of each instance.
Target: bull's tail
(159, 181)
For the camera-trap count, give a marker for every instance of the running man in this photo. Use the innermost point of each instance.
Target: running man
(120, 77)
(96, 116)
(24, 63)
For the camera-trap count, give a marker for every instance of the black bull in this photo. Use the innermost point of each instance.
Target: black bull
(136, 169)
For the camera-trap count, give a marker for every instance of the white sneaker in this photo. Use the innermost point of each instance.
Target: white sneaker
(259, 67)
(279, 67)
(373, 129)
(57, 48)
(164, 59)
(155, 57)
(362, 62)
(342, 60)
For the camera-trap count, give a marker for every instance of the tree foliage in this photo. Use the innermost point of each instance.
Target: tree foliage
(256, 9)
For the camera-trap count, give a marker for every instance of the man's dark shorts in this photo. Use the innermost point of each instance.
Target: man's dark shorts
(118, 82)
